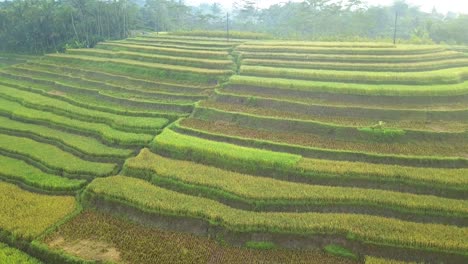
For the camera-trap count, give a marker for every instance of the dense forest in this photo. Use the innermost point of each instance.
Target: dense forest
(38, 26)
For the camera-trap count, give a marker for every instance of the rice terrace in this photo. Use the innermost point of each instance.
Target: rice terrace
(136, 145)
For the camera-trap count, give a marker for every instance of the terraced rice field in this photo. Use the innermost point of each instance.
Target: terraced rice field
(245, 151)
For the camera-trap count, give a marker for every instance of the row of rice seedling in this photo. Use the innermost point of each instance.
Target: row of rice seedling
(186, 46)
(351, 88)
(99, 86)
(195, 42)
(71, 142)
(255, 95)
(185, 43)
(435, 56)
(45, 103)
(368, 45)
(331, 153)
(262, 192)
(109, 135)
(357, 114)
(142, 244)
(13, 255)
(378, 67)
(371, 229)
(183, 61)
(400, 50)
(94, 98)
(250, 160)
(52, 158)
(277, 120)
(152, 71)
(221, 34)
(418, 124)
(201, 150)
(27, 215)
(446, 76)
(21, 172)
(83, 93)
(384, 143)
(220, 55)
(144, 85)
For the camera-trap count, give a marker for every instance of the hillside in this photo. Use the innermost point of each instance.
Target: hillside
(235, 152)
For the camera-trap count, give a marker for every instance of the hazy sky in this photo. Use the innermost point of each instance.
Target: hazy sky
(459, 6)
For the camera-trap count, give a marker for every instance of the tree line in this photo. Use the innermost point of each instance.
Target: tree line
(39, 26)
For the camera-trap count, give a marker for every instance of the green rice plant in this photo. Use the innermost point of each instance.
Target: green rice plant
(221, 34)
(52, 157)
(197, 149)
(86, 145)
(322, 44)
(435, 177)
(27, 215)
(12, 255)
(370, 229)
(19, 171)
(82, 93)
(261, 192)
(151, 71)
(164, 59)
(45, 103)
(183, 45)
(332, 171)
(371, 67)
(17, 111)
(351, 88)
(193, 42)
(446, 76)
(220, 55)
(146, 85)
(407, 58)
(375, 260)
(400, 50)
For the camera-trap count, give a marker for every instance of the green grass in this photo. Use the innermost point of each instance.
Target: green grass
(371, 229)
(53, 158)
(20, 171)
(340, 252)
(202, 150)
(371, 67)
(86, 145)
(27, 215)
(10, 255)
(17, 111)
(45, 103)
(263, 192)
(350, 88)
(446, 76)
